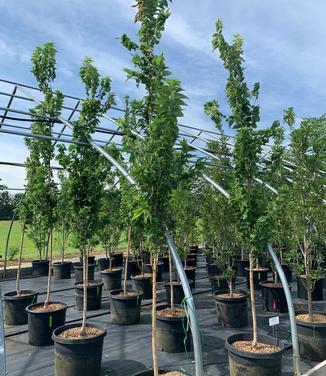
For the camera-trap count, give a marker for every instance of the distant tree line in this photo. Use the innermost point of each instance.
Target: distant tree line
(8, 203)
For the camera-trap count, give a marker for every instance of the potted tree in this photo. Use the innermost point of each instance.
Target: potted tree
(111, 227)
(41, 193)
(62, 269)
(78, 347)
(306, 210)
(153, 159)
(219, 219)
(17, 301)
(249, 353)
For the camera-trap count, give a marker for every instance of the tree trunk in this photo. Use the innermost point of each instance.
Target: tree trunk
(20, 257)
(63, 245)
(171, 282)
(85, 285)
(252, 299)
(309, 298)
(154, 339)
(126, 262)
(47, 300)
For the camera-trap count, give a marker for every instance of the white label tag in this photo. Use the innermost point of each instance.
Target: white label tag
(274, 320)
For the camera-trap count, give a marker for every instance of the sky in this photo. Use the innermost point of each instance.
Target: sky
(284, 50)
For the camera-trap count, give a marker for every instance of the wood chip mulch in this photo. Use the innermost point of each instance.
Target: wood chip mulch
(320, 319)
(168, 312)
(258, 348)
(75, 333)
(49, 308)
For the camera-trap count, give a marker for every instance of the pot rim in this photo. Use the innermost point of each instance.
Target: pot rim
(176, 283)
(78, 265)
(94, 284)
(65, 341)
(307, 323)
(252, 355)
(267, 284)
(11, 297)
(114, 294)
(261, 269)
(28, 308)
(115, 269)
(133, 276)
(58, 263)
(234, 299)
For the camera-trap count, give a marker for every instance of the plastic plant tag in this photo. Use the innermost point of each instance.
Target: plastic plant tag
(50, 321)
(274, 321)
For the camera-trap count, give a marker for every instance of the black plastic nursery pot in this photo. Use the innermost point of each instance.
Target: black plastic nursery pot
(104, 263)
(15, 306)
(62, 270)
(191, 274)
(260, 275)
(191, 261)
(212, 269)
(125, 310)
(94, 295)
(40, 268)
(42, 324)
(77, 357)
(143, 283)
(112, 278)
(264, 262)
(241, 266)
(178, 294)
(78, 268)
(317, 292)
(118, 258)
(312, 339)
(274, 297)
(192, 256)
(194, 249)
(173, 333)
(165, 260)
(159, 270)
(231, 312)
(91, 260)
(288, 272)
(133, 267)
(243, 363)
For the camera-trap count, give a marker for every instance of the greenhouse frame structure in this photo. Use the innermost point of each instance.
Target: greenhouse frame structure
(20, 97)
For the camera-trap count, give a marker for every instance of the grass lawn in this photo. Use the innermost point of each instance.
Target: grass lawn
(30, 251)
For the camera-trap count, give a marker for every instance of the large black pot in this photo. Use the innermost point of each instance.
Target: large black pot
(191, 261)
(165, 260)
(77, 357)
(178, 294)
(133, 267)
(143, 284)
(212, 269)
(191, 274)
(231, 312)
(118, 258)
(190, 257)
(243, 363)
(94, 295)
(15, 306)
(288, 272)
(112, 278)
(40, 268)
(194, 249)
(312, 339)
(159, 269)
(274, 297)
(173, 333)
(125, 310)
(78, 268)
(42, 324)
(62, 270)
(104, 263)
(241, 266)
(317, 292)
(91, 260)
(260, 275)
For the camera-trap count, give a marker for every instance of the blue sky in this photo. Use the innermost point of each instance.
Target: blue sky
(285, 44)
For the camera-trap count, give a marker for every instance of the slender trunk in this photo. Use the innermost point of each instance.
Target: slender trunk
(154, 339)
(309, 303)
(47, 300)
(171, 282)
(85, 285)
(186, 262)
(231, 287)
(126, 262)
(242, 255)
(63, 245)
(20, 257)
(110, 257)
(275, 277)
(252, 300)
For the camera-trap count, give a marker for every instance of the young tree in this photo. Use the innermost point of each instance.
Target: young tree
(306, 200)
(153, 158)
(252, 218)
(84, 167)
(41, 190)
